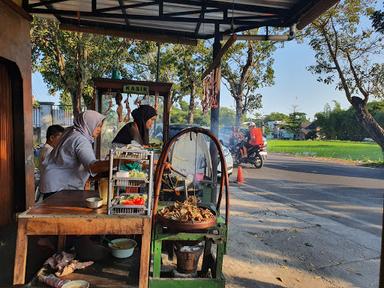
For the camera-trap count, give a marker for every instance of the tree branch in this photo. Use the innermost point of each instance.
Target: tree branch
(357, 79)
(338, 67)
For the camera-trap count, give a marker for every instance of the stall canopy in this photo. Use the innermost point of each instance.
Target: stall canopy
(177, 21)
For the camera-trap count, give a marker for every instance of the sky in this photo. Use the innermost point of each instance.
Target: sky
(294, 85)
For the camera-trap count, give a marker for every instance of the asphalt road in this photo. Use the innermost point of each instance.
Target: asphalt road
(346, 193)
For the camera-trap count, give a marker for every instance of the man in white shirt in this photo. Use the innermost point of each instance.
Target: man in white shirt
(54, 133)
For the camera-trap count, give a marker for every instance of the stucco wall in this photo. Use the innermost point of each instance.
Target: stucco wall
(15, 46)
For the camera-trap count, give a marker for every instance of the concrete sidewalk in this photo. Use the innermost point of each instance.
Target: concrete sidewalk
(276, 245)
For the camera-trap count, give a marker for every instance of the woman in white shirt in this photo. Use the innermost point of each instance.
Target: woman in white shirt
(73, 160)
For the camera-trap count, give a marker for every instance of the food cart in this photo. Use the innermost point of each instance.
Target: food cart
(156, 94)
(192, 227)
(146, 20)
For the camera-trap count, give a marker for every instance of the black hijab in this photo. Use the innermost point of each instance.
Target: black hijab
(141, 115)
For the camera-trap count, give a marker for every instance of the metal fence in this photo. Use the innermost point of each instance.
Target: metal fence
(48, 114)
(57, 114)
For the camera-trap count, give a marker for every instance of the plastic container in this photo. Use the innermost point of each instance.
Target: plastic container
(103, 190)
(119, 250)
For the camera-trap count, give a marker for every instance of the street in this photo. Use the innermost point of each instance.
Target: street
(301, 222)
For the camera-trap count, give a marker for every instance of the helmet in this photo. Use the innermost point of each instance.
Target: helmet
(251, 124)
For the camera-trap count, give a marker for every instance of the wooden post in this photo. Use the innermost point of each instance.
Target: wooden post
(145, 252)
(21, 253)
(61, 239)
(215, 115)
(381, 281)
(167, 111)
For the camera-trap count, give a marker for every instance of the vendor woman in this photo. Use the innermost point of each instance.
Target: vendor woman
(138, 130)
(73, 160)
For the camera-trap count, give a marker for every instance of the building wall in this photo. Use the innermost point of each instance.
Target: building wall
(15, 46)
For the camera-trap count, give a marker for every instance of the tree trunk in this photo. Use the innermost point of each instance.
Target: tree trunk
(368, 122)
(239, 111)
(191, 105)
(76, 106)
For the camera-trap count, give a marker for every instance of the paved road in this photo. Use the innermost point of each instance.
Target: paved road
(346, 193)
(304, 223)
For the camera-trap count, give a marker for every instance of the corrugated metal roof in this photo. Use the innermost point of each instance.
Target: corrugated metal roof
(192, 19)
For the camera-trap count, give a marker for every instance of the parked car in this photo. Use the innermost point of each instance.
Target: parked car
(176, 128)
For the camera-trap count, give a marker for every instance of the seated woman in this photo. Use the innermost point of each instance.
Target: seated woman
(73, 160)
(138, 130)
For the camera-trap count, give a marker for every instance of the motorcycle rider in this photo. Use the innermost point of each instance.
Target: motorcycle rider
(253, 137)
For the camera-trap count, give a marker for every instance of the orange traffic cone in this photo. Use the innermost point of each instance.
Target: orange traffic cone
(240, 177)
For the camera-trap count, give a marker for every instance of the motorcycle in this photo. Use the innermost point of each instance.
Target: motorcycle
(254, 158)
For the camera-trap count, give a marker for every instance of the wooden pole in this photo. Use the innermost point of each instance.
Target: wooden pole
(381, 281)
(215, 115)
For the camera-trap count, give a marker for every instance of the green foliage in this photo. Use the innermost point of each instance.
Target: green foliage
(294, 123)
(378, 21)
(227, 116)
(69, 60)
(276, 116)
(350, 56)
(247, 67)
(342, 124)
(179, 115)
(357, 151)
(346, 52)
(179, 64)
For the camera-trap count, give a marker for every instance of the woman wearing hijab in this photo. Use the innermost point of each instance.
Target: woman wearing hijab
(138, 130)
(73, 160)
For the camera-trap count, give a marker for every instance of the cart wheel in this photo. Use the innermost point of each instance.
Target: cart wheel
(258, 163)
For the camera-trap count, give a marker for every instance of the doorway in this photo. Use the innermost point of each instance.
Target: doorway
(12, 168)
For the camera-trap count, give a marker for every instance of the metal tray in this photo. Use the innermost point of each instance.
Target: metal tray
(185, 226)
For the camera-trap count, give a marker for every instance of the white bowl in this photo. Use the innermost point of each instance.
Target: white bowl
(122, 252)
(76, 284)
(94, 202)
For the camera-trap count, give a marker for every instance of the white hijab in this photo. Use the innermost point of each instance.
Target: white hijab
(84, 124)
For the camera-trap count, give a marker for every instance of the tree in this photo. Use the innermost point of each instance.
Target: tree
(190, 62)
(347, 53)
(227, 116)
(295, 122)
(179, 114)
(275, 116)
(179, 64)
(378, 21)
(69, 60)
(337, 123)
(247, 67)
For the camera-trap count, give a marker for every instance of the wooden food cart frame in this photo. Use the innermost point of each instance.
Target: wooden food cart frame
(161, 89)
(64, 214)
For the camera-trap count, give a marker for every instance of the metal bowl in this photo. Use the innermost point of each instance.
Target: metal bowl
(94, 202)
(118, 249)
(76, 284)
(186, 226)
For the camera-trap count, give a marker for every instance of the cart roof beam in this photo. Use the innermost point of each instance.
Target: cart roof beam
(174, 19)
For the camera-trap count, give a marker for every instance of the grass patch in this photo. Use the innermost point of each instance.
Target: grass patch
(348, 150)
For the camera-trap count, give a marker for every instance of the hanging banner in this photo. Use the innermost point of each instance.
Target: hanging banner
(136, 89)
